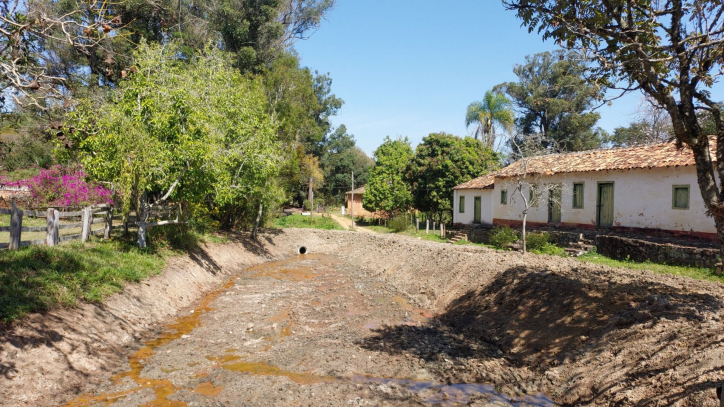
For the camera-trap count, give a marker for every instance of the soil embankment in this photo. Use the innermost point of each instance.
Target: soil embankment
(376, 320)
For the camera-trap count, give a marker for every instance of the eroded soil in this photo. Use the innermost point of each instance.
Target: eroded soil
(302, 331)
(389, 320)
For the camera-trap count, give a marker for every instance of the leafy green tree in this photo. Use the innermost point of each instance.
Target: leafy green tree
(442, 161)
(191, 130)
(302, 103)
(670, 50)
(495, 110)
(387, 189)
(341, 157)
(553, 99)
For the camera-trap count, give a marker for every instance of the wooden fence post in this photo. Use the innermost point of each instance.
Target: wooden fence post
(52, 236)
(433, 227)
(109, 223)
(427, 226)
(417, 224)
(16, 224)
(141, 220)
(86, 223)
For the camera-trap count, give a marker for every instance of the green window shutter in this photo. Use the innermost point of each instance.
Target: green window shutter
(578, 195)
(461, 206)
(681, 197)
(504, 197)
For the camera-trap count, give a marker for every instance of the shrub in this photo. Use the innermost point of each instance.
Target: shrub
(502, 236)
(536, 241)
(62, 187)
(549, 248)
(398, 224)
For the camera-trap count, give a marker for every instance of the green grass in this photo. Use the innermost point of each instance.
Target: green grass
(469, 243)
(691, 272)
(379, 229)
(300, 221)
(41, 278)
(423, 236)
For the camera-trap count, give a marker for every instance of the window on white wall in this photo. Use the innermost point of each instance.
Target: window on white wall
(503, 196)
(461, 205)
(578, 195)
(680, 197)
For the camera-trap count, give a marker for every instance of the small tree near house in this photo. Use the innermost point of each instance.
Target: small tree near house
(528, 187)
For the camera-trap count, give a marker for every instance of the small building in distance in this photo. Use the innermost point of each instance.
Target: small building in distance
(649, 189)
(359, 210)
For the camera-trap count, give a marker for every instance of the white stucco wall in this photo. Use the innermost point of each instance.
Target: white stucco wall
(486, 205)
(642, 198)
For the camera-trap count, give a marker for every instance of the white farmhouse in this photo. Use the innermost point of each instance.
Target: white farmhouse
(651, 189)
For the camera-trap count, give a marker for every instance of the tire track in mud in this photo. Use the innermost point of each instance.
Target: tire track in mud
(301, 331)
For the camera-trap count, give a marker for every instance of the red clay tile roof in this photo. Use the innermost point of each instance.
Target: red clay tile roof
(629, 158)
(484, 182)
(639, 157)
(357, 191)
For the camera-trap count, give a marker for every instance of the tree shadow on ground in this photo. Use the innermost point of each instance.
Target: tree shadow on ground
(540, 319)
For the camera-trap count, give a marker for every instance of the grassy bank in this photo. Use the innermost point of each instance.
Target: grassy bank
(40, 278)
(313, 222)
(691, 272)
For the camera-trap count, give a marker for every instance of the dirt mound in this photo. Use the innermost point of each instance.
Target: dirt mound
(584, 334)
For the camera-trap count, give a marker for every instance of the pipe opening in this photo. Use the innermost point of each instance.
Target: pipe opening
(302, 250)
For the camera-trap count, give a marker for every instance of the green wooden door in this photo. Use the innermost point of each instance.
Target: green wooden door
(554, 205)
(604, 208)
(476, 210)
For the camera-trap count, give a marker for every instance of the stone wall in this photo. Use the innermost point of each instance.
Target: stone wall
(623, 248)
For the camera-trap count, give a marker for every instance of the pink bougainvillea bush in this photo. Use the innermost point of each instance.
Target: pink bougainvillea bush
(61, 186)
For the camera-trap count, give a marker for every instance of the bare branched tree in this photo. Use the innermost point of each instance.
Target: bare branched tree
(529, 187)
(27, 27)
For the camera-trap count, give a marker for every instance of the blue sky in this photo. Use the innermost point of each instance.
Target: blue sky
(410, 68)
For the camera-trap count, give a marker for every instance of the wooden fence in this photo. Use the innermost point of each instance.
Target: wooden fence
(86, 219)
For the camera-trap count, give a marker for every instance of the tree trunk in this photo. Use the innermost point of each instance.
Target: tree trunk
(258, 219)
(311, 194)
(522, 234)
(141, 221)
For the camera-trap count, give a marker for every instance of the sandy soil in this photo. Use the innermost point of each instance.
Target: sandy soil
(382, 320)
(346, 223)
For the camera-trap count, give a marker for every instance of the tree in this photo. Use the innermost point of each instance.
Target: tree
(387, 189)
(341, 157)
(302, 104)
(491, 112)
(191, 130)
(442, 161)
(651, 125)
(553, 99)
(671, 50)
(529, 187)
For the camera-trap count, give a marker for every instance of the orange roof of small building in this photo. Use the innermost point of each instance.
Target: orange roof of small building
(659, 155)
(357, 191)
(484, 182)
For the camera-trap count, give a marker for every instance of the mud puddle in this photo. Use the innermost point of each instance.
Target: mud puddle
(287, 332)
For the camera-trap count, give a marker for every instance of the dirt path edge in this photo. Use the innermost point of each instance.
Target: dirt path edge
(46, 356)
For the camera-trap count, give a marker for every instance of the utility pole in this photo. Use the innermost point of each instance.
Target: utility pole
(351, 207)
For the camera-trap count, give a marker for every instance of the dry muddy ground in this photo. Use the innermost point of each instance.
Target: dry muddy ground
(390, 320)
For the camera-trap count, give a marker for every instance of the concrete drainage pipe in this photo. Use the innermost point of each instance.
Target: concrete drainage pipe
(302, 250)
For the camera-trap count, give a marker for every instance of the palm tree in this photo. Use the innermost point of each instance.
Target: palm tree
(493, 111)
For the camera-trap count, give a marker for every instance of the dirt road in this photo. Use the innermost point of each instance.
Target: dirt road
(347, 224)
(378, 319)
